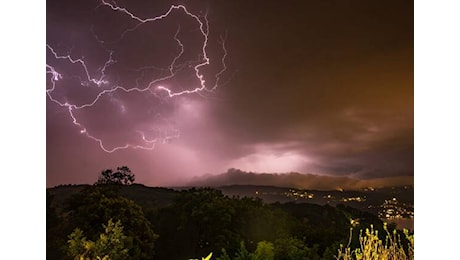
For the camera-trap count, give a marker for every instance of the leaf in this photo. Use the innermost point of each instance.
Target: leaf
(208, 257)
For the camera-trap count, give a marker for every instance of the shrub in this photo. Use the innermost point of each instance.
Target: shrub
(372, 248)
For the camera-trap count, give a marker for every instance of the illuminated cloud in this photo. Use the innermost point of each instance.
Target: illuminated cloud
(269, 158)
(310, 87)
(297, 180)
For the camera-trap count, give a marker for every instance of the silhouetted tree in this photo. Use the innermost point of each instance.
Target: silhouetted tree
(122, 175)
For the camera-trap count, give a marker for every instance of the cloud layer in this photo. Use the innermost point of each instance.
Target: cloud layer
(311, 86)
(297, 180)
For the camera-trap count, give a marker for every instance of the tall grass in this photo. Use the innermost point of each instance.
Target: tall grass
(372, 248)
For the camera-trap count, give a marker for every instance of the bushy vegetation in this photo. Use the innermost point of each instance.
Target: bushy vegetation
(189, 224)
(109, 246)
(373, 248)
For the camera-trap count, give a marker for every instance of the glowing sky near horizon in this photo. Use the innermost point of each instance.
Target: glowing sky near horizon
(176, 90)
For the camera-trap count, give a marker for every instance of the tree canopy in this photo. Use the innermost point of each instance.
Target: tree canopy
(122, 175)
(94, 206)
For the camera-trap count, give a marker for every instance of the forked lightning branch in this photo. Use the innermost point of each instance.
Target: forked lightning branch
(98, 80)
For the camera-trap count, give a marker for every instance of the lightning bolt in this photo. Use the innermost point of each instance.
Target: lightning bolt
(100, 81)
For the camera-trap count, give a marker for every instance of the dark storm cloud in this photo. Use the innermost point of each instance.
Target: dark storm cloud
(296, 180)
(311, 86)
(331, 80)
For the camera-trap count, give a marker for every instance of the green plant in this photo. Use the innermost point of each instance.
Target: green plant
(264, 251)
(372, 248)
(109, 246)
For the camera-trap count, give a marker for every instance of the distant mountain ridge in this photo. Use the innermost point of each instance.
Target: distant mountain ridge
(298, 180)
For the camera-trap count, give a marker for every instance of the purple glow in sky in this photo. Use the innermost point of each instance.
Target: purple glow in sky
(177, 90)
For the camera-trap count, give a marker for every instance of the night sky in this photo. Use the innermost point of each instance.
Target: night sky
(321, 87)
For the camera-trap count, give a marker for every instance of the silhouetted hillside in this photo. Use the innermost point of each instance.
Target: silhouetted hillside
(141, 194)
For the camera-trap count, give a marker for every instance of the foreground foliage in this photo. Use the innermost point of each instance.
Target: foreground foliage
(109, 246)
(94, 206)
(373, 248)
